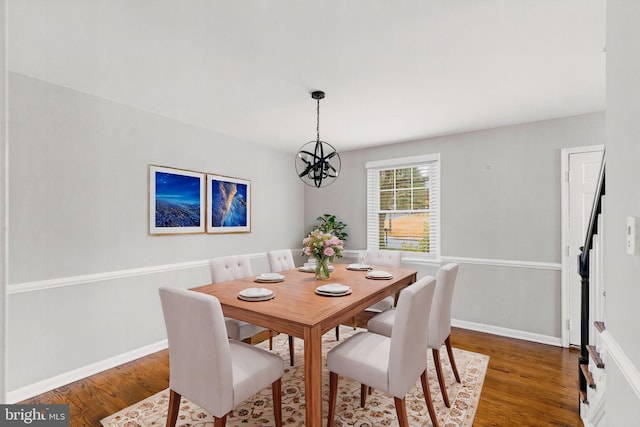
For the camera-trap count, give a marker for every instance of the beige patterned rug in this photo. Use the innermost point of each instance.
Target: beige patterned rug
(379, 411)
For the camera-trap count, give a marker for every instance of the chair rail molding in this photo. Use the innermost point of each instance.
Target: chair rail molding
(504, 263)
(39, 285)
(407, 259)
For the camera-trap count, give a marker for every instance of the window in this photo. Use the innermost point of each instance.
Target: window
(403, 199)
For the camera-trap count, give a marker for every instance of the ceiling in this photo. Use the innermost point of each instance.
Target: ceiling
(392, 71)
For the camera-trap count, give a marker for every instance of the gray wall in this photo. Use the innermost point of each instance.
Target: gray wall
(622, 271)
(80, 181)
(500, 197)
(79, 206)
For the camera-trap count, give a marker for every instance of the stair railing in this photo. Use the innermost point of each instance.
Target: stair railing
(583, 271)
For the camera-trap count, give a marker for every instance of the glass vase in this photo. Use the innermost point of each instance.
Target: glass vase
(322, 269)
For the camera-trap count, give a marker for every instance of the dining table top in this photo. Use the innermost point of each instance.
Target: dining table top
(297, 306)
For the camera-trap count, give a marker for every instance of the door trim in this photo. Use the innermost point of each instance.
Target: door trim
(564, 239)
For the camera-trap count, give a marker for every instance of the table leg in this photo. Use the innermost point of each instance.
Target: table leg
(313, 375)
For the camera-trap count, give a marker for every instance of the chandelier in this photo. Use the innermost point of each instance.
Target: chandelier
(317, 162)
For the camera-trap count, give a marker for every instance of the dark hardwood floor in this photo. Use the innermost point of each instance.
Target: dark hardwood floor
(527, 384)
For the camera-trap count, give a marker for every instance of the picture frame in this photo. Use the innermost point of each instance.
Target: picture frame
(176, 200)
(228, 204)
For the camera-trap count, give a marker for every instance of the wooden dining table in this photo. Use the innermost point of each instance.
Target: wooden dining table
(298, 311)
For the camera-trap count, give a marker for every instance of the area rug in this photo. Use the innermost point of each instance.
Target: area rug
(379, 410)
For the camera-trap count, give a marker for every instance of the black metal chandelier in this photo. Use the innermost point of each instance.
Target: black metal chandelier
(317, 162)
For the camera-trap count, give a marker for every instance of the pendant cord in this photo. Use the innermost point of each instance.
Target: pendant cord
(318, 122)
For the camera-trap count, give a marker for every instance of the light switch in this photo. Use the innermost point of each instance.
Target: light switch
(632, 236)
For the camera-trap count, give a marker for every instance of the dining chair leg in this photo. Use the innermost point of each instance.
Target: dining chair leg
(364, 390)
(333, 391)
(438, 365)
(276, 391)
(451, 359)
(291, 354)
(428, 399)
(401, 411)
(220, 422)
(174, 407)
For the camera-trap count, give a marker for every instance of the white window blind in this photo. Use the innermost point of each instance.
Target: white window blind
(403, 205)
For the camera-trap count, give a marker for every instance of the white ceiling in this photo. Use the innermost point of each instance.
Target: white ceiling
(392, 70)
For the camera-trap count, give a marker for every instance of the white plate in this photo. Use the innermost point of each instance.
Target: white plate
(379, 274)
(359, 267)
(255, 293)
(270, 276)
(250, 299)
(333, 294)
(333, 288)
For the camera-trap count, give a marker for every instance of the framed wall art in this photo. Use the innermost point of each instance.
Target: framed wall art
(228, 204)
(176, 201)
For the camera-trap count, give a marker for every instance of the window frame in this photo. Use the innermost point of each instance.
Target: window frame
(373, 202)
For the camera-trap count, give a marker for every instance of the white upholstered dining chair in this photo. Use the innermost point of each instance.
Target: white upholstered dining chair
(206, 367)
(230, 268)
(385, 259)
(389, 364)
(278, 261)
(439, 332)
(378, 259)
(281, 260)
(388, 258)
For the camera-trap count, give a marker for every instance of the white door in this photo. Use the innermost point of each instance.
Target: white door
(584, 168)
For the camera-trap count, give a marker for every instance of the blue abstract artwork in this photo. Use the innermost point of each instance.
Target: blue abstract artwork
(229, 205)
(177, 200)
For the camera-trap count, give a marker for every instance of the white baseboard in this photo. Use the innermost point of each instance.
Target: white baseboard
(506, 332)
(40, 387)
